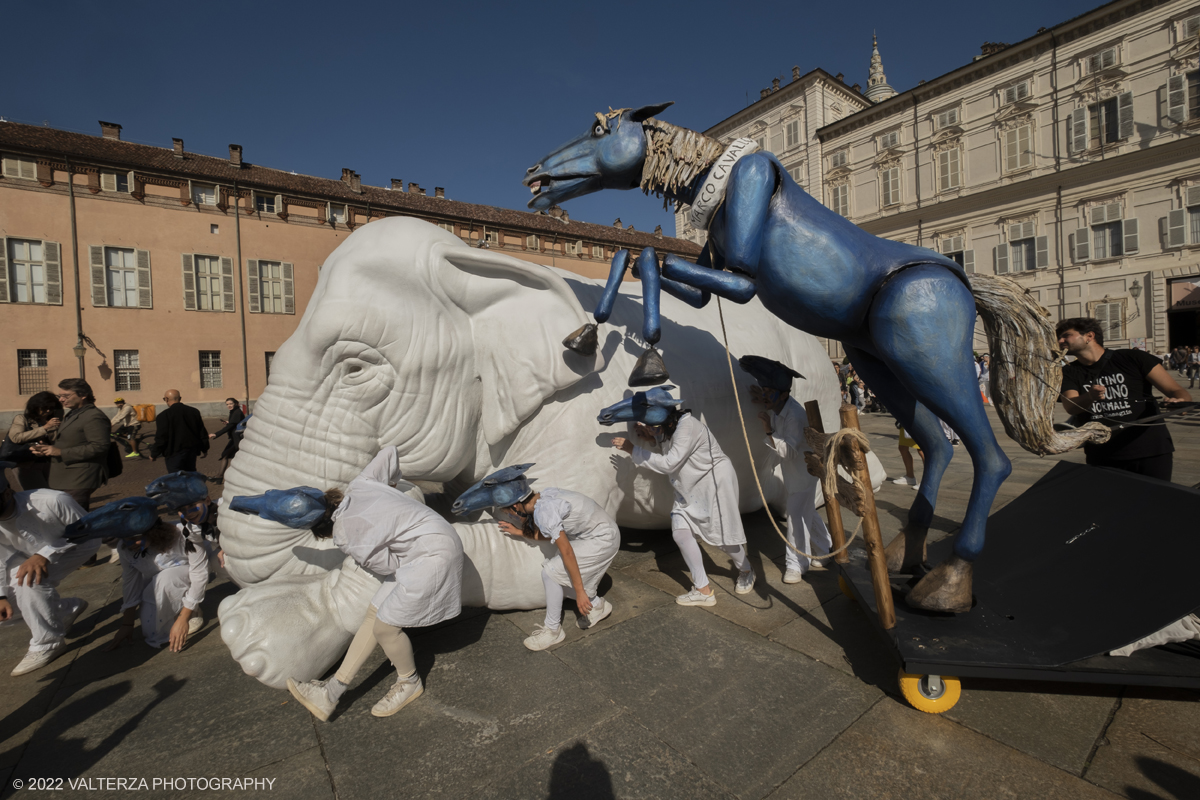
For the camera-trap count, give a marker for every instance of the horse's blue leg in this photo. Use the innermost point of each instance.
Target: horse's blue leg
(692, 296)
(646, 270)
(737, 288)
(907, 552)
(752, 183)
(920, 326)
(616, 274)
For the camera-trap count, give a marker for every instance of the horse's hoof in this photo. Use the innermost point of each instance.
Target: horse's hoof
(583, 341)
(649, 370)
(907, 552)
(946, 588)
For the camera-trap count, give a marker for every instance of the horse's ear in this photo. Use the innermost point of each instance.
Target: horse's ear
(646, 112)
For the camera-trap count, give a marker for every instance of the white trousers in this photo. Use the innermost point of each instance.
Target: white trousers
(162, 600)
(41, 605)
(805, 530)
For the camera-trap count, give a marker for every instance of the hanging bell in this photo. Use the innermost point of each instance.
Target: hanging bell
(649, 370)
(583, 341)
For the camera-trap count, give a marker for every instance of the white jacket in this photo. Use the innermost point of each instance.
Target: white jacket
(788, 443)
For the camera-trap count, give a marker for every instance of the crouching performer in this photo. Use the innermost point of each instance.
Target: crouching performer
(34, 559)
(705, 483)
(417, 554)
(186, 494)
(163, 572)
(784, 422)
(586, 537)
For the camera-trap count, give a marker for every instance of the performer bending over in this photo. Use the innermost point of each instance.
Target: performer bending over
(587, 540)
(784, 422)
(391, 534)
(706, 496)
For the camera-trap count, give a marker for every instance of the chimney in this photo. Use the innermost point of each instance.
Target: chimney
(795, 73)
(421, 192)
(630, 227)
(775, 85)
(413, 188)
(990, 48)
(397, 185)
(556, 212)
(617, 222)
(110, 130)
(565, 216)
(762, 95)
(439, 191)
(856, 88)
(178, 145)
(658, 231)
(840, 77)
(355, 183)
(235, 155)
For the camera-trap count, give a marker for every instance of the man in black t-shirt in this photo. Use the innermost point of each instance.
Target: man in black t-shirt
(1117, 386)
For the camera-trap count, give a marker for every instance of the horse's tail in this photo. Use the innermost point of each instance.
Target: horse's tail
(1026, 368)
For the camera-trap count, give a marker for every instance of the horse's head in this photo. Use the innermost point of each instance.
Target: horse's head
(650, 407)
(608, 156)
(120, 519)
(499, 490)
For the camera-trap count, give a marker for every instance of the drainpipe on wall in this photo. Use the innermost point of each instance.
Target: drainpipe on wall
(916, 161)
(79, 347)
(1062, 269)
(237, 227)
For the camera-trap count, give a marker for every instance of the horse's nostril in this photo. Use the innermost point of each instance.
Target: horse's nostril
(533, 169)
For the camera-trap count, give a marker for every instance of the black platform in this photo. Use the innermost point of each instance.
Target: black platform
(1086, 561)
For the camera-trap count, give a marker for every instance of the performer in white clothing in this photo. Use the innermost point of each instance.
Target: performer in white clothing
(784, 422)
(705, 483)
(34, 558)
(586, 537)
(416, 552)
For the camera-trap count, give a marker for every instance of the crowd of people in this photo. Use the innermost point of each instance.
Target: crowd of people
(1185, 361)
(63, 448)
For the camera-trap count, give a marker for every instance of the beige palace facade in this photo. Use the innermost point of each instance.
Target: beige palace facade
(174, 252)
(1069, 161)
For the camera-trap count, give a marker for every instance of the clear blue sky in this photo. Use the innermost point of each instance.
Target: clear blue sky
(456, 94)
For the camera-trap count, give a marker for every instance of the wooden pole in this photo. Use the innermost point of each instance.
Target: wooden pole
(871, 533)
(833, 510)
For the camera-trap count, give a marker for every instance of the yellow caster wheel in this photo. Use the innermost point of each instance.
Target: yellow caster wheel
(845, 587)
(933, 694)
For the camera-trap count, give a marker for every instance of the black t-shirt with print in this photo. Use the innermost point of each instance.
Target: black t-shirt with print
(1123, 373)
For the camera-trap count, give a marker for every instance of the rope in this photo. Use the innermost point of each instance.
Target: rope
(754, 468)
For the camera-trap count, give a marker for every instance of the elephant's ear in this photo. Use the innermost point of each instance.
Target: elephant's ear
(519, 313)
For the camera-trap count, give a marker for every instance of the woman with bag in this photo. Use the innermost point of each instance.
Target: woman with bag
(37, 425)
(235, 437)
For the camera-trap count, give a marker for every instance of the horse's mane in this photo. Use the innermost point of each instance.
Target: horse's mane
(674, 158)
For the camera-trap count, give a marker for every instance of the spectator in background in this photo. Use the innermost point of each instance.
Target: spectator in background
(1193, 366)
(235, 418)
(179, 435)
(37, 425)
(79, 455)
(985, 375)
(127, 428)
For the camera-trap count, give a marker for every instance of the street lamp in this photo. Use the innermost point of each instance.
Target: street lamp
(80, 351)
(1135, 291)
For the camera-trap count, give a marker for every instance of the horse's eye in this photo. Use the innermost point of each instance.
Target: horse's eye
(598, 130)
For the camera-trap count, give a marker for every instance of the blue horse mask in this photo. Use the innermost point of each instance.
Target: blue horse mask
(769, 373)
(499, 490)
(120, 519)
(301, 507)
(651, 408)
(178, 489)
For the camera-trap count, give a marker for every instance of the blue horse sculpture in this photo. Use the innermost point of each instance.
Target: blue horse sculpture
(904, 314)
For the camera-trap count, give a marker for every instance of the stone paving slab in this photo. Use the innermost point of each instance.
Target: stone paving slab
(893, 751)
(744, 710)
(628, 596)
(1152, 747)
(617, 759)
(489, 706)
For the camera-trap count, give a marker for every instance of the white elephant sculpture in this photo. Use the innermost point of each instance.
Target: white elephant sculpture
(453, 355)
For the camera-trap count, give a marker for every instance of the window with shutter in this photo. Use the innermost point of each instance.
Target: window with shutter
(253, 297)
(1083, 244)
(839, 199)
(597, 251)
(1017, 151)
(22, 167)
(1104, 122)
(1190, 27)
(793, 133)
(27, 262)
(1129, 233)
(188, 261)
(1125, 115)
(1016, 92)
(1189, 216)
(950, 245)
(1177, 226)
(3, 270)
(207, 282)
(204, 194)
(838, 159)
(1177, 98)
(145, 290)
(948, 169)
(99, 282)
(889, 140)
(108, 182)
(1105, 59)
(1001, 258)
(337, 212)
(797, 174)
(289, 288)
(947, 118)
(1043, 252)
(54, 295)
(968, 262)
(891, 186)
(1022, 247)
(1110, 316)
(265, 203)
(120, 273)
(227, 284)
(532, 242)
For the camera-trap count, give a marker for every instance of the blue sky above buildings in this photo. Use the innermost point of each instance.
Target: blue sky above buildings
(463, 95)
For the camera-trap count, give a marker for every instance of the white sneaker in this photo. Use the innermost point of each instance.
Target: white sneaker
(401, 694)
(904, 480)
(697, 598)
(35, 661)
(78, 606)
(195, 624)
(745, 582)
(793, 575)
(314, 697)
(815, 564)
(917, 488)
(544, 637)
(600, 609)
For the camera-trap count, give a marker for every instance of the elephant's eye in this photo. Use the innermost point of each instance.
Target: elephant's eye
(356, 371)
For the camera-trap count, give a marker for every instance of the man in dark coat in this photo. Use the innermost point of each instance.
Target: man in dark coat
(180, 435)
(79, 455)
